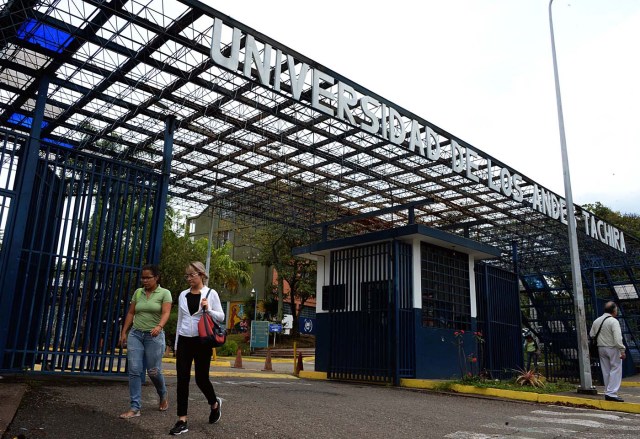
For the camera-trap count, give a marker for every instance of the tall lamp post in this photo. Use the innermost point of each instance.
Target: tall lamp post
(586, 385)
(255, 314)
(255, 307)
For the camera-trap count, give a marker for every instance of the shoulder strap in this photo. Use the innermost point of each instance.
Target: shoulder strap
(600, 328)
(207, 298)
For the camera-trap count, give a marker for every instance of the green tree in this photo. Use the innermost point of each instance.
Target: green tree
(276, 243)
(226, 272)
(178, 250)
(176, 253)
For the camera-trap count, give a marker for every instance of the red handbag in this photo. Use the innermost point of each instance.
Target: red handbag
(211, 333)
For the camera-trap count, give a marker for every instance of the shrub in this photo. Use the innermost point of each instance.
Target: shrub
(529, 378)
(228, 349)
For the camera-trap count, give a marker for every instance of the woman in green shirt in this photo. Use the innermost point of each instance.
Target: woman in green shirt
(148, 313)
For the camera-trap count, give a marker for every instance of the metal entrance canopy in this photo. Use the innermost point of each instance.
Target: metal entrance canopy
(261, 144)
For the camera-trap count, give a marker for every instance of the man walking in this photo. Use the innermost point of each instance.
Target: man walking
(610, 349)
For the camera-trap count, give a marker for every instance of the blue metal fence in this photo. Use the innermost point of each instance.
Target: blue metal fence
(499, 320)
(85, 238)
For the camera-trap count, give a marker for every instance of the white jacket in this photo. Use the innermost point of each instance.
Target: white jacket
(610, 335)
(187, 323)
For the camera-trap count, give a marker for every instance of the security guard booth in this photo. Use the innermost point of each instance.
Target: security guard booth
(403, 303)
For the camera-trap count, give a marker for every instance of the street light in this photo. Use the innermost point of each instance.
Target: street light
(586, 385)
(255, 308)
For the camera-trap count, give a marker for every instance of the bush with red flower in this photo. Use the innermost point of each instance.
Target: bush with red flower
(469, 363)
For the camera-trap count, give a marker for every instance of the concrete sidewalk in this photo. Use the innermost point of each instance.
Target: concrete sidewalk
(11, 394)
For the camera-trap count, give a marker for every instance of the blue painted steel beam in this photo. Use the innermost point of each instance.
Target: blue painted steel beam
(160, 207)
(24, 184)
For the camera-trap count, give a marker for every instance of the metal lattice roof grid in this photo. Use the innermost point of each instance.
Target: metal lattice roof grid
(119, 68)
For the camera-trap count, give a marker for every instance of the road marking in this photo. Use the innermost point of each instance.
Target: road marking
(539, 423)
(472, 435)
(593, 415)
(581, 422)
(544, 430)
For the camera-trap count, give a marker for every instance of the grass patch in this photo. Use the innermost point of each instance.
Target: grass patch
(560, 386)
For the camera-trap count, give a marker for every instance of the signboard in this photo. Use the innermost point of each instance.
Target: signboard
(259, 334)
(345, 101)
(275, 327)
(307, 325)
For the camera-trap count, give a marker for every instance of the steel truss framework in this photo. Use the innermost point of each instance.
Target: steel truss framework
(118, 68)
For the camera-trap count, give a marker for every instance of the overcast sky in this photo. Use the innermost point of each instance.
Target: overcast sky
(482, 70)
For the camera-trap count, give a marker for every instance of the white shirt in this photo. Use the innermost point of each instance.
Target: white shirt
(610, 335)
(188, 324)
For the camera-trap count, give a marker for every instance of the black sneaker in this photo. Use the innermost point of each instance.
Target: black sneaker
(216, 413)
(179, 428)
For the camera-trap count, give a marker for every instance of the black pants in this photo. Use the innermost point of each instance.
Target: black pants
(191, 350)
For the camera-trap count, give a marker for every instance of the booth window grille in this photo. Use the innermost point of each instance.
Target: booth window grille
(445, 288)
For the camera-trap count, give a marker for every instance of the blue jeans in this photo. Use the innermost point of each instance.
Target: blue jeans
(145, 350)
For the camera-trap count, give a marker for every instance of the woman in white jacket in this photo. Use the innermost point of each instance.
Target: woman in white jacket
(189, 350)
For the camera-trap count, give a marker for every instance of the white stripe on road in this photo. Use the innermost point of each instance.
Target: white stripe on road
(472, 435)
(544, 430)
(590, 414)
(581, 422)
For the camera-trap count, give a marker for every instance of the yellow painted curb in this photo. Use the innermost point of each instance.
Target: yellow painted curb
(499, 393)
(312, 375)
(545, 398)
(630, 384)
(419, 384)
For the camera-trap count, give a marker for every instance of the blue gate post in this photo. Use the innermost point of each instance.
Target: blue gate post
(516, 270)
(160, 208)
(27, 165)
(395, 330)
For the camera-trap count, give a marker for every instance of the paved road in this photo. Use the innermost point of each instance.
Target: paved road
(289, 408)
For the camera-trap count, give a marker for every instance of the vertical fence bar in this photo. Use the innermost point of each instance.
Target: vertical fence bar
(395, 308)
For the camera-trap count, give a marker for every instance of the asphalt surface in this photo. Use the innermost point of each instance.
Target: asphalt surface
(255, 404)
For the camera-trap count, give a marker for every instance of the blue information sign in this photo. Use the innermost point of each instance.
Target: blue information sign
(259, 334)
(275, 327)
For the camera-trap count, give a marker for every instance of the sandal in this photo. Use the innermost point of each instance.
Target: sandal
(130, 414)
(164, 404)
